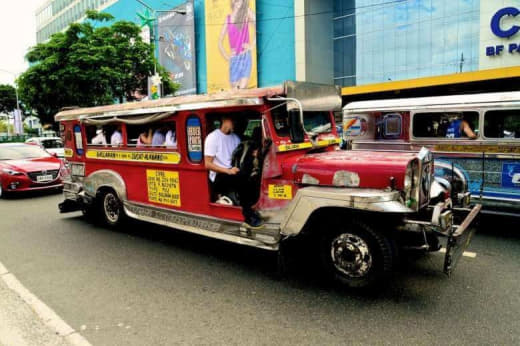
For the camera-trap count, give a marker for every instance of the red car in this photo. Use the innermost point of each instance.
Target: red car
(25, 167)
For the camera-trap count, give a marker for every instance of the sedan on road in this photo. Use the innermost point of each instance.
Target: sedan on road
(25, 167)
(53, 145)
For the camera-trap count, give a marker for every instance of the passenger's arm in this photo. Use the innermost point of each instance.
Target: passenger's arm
(208, 162)
(467, 130)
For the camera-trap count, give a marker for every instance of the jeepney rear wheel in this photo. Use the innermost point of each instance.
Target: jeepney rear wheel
(112, 208)
(356, 255)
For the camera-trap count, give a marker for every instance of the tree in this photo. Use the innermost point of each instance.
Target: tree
(89, 65)
(7, 98)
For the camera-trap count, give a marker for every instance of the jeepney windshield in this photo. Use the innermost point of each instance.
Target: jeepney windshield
(316, 122)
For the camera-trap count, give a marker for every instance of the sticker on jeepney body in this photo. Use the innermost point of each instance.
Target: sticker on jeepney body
(279, 191)
(163, 187)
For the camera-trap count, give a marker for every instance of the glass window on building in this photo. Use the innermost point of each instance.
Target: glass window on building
(502, 124)
(344, 26)
(398, 40)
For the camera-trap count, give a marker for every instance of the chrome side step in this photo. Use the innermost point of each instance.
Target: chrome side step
(232, 231)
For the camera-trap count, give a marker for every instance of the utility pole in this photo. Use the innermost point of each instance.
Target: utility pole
(461, 61)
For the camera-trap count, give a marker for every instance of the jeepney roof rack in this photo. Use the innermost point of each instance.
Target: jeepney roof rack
(311, 95)
(173, 104)
(404, 104)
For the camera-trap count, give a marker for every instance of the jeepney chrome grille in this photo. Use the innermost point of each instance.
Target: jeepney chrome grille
(34, 175)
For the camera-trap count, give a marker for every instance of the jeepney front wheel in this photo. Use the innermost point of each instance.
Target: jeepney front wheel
(356, 255)
(111, 208)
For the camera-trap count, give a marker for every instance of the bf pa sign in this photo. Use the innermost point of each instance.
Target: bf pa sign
(504, 32)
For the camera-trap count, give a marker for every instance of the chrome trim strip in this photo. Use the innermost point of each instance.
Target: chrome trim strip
(202, 225)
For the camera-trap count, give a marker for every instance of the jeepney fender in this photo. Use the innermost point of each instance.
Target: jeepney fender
(105, 178)
(310, 199)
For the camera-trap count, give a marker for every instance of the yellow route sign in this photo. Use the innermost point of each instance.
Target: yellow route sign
(135, 156)
(278, 191)
(163, 187)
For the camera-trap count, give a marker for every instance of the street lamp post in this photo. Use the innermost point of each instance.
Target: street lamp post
(17, 99)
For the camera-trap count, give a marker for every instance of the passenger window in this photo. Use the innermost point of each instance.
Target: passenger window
(154, 135)
(502, 124)
(455, 125)
(104, 135)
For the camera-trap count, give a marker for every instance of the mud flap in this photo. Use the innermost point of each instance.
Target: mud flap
(459, 240)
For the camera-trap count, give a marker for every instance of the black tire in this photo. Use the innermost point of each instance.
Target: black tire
(111, 208)
(91, 212)
(370, 257)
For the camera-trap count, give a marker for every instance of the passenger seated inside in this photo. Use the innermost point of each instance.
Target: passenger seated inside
(145, 138)
(159, 136)
(458, 126)
(117, 138)
(223, 175)
(171, 137)
(99, 138)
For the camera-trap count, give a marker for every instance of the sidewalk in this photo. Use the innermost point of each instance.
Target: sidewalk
(20, 325)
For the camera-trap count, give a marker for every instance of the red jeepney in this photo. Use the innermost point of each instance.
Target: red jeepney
(360, 206)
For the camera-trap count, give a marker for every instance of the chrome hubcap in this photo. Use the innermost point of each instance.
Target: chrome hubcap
(111, 206)
(351, 255)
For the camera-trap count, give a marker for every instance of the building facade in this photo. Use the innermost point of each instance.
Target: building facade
(365, 46)
(55, 15)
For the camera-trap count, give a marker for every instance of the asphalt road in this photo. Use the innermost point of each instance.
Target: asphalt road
(154, 286)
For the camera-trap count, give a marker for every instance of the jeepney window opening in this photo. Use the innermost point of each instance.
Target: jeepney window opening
(314, 121)
(105, 135)
(241, 120)
(502, 124)
(436, 124)
(142, 135)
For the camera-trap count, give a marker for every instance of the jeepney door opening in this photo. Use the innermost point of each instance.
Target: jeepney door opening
(248, 127)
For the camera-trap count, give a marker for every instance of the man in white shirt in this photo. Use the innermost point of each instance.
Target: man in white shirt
(100, 138)
(218, 151)
(116, 139)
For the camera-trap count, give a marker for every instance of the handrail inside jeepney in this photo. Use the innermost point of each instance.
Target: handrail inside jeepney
(143, 119)
(312, 136)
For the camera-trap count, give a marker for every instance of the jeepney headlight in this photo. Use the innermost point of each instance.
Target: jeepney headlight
(411, 183)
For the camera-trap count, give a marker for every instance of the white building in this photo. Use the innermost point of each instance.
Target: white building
(55, 15)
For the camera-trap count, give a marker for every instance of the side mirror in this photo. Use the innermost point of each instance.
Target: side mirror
(55, 155)
(296, 131)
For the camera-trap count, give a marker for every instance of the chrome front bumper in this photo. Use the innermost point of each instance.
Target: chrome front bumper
(456, 224)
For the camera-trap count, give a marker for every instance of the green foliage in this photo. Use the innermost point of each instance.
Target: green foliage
(7, 98)
(88, 66)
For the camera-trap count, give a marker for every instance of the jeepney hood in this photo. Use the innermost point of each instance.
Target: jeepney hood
(365, 169)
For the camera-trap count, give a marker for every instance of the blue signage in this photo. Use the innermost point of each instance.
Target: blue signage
(500, 31)
(495, 22)
(511, 175)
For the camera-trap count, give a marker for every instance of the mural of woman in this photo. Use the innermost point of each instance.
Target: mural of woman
(240, 27)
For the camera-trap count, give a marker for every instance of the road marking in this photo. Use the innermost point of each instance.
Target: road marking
(46, 314)
(465, 254)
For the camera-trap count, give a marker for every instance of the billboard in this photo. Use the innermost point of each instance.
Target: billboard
(176, 34)
(230, 44)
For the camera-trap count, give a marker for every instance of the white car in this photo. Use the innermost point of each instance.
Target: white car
(53, 145)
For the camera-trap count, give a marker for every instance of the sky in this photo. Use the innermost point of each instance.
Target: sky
(17, 35)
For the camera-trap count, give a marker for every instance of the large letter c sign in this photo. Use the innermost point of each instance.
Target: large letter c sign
(495, 22)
